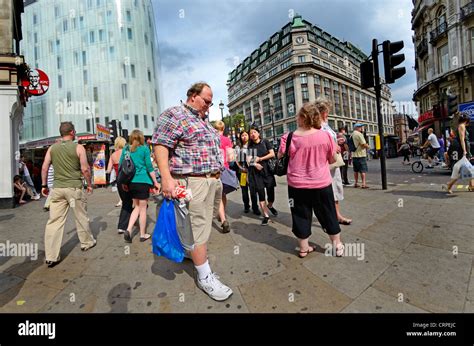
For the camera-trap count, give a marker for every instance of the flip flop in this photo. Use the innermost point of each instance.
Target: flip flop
(356, 185)
(311, 249)
(145, 238)
(365, 187)
(345, 221)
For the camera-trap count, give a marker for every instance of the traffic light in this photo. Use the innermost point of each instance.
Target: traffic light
(452, 104)
(113, 130)
(390, 60)
(367, 74)
(125, 134)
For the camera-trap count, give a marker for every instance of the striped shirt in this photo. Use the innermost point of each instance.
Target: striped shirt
(194, 144)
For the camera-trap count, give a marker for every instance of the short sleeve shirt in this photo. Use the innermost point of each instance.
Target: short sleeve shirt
(433, 141)
(359, 139)
(193, 143)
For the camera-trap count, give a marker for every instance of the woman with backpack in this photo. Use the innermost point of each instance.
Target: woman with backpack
(143, 180)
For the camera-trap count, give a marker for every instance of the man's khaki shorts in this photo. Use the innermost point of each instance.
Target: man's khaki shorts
(207, 195)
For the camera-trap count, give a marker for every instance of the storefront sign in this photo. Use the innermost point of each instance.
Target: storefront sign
(467, 108)
(86, 137)
(99, 167)
(36, 83)
(425, 117)
(103, 133)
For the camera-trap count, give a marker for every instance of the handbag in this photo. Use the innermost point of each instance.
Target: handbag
(339, 161)
(282, 164)
(126, 170)
(272, 163)
(229, 181)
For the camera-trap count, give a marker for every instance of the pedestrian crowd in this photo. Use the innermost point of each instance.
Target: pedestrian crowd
(188, 152)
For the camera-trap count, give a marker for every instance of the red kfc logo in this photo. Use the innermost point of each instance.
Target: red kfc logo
(37, 82)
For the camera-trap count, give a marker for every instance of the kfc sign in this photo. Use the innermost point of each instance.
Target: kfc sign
(37, 82)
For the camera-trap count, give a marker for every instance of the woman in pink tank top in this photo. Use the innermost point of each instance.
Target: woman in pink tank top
(309, 181)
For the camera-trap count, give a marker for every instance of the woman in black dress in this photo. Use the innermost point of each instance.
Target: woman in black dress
(260, 177)
(243, 166)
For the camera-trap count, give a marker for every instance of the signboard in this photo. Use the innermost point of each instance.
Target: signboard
(467, 108)
(36, 83)
(86, 137)
(425, 116)
(99, 167)
(103, 133)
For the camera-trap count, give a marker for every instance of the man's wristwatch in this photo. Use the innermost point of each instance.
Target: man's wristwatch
(44, 186)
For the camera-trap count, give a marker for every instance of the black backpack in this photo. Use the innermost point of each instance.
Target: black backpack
(351, 144)
(126, 170)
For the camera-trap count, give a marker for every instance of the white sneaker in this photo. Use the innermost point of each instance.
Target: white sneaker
(37, 197)
(120, 231)
(214, 288)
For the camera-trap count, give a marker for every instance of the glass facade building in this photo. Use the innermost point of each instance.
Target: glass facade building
(102, 60)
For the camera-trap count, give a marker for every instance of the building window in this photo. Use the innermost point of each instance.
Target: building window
(96, 94)
(472, 45)
(303, 78)
(106, 121)
(301, 58)
(145, 120)
(35, 19)
(91, 37)
(124, 91)
(137, 124)
(146, 38)
(56, 11)
(124, 69)
(126, 117)
(443, 56)
(85, 76)
(81, 22)
(88, 125)
(149, 75)
(305, 93)
(129, 33)
(132, 69)
(59, 62)
(129, 16)
(60, 81)
(285, 40)
(76, 58)
(285, 64)
(101, 35)
(84, 58)
(36, 53)
(112, 52)
(292, 126)
(64, 25)
(326, 65)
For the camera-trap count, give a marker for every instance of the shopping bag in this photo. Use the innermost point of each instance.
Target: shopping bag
(229, 181)
(165, 239)
(243, 179)
(183, 220)
(467, 170)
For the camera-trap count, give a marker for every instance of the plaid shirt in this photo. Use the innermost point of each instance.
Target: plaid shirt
(194, 144)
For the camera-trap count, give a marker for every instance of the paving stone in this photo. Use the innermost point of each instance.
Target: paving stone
(372, 300)
(250, 263)
(27, 297)
(447, 235)
(429, 278)
(398, 234)
(353, 274)
(293, 290)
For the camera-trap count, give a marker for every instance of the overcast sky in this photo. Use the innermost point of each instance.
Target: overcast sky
(203, 39)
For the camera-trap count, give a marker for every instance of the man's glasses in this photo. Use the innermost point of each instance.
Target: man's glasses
(208, 103)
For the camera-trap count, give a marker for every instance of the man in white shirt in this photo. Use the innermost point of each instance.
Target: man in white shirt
(433, 144)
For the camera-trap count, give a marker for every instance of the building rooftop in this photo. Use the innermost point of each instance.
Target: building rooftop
(316, 35)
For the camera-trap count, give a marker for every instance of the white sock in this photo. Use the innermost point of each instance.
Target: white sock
(203, 270)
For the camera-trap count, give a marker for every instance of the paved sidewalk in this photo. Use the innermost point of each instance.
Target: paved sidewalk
(417, 242)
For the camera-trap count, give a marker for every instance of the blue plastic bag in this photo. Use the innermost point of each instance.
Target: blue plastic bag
(165, 239)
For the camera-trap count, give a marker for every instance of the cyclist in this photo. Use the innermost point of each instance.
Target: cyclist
(433, 144)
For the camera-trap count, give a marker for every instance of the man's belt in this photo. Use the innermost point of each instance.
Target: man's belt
(204, 175)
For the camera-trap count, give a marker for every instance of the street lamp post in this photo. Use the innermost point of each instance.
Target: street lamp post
(221, 107)
(93, 127)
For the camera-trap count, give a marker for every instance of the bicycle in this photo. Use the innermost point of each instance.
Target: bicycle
(419, 165)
